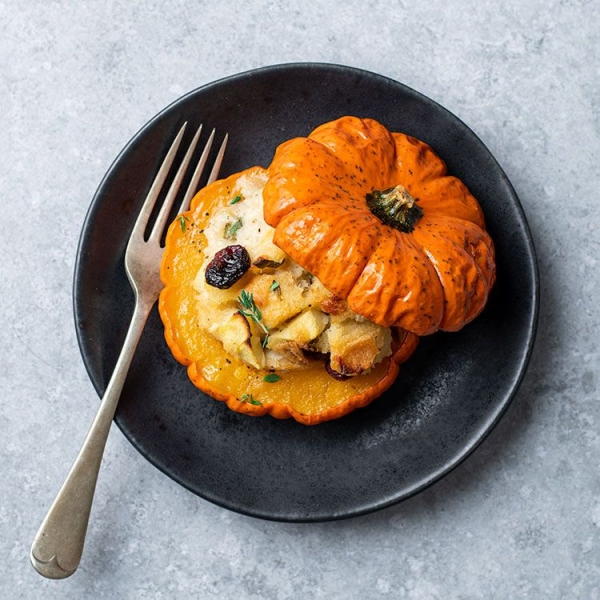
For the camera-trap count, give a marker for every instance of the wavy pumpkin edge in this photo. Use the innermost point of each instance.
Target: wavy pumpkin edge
(285, 411)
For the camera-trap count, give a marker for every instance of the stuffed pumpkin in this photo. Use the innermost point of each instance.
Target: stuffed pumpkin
(298, 290)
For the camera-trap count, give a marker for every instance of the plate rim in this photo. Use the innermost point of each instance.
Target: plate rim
(476, 438)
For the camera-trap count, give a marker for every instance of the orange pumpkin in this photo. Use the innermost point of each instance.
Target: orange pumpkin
(308, 395)
(376, 218)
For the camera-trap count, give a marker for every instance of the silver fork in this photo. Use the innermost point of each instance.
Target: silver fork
(58, 545)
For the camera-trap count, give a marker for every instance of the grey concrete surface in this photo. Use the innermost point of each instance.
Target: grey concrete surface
(521, 517)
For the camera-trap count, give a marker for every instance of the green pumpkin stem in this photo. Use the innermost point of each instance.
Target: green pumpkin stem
(395, 207)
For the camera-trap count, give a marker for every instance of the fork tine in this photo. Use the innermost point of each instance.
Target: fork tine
(215, 170)
(165, 209)
(142, 219)
(185, 204)
(192, 188)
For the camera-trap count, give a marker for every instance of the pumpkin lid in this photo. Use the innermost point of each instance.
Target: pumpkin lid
(377, 219)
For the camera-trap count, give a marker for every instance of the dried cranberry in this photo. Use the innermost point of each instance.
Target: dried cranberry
(227, 266)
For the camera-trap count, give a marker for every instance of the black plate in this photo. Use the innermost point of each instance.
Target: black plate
(448, 396)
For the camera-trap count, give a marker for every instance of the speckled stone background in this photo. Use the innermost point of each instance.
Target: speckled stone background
(521, 517)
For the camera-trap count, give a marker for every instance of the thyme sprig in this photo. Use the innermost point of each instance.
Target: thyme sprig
(249, 309)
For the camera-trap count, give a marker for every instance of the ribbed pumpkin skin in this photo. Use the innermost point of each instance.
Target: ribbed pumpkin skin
(438, 276)
(310, 396)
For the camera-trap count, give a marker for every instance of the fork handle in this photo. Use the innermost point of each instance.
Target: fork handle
(58, 544)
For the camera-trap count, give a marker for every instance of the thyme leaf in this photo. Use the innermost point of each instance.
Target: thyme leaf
(237, 199)
(232, 228)
(271, 378)
(182, 221)
(250, 399)
(275, 287)
(249, 309)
